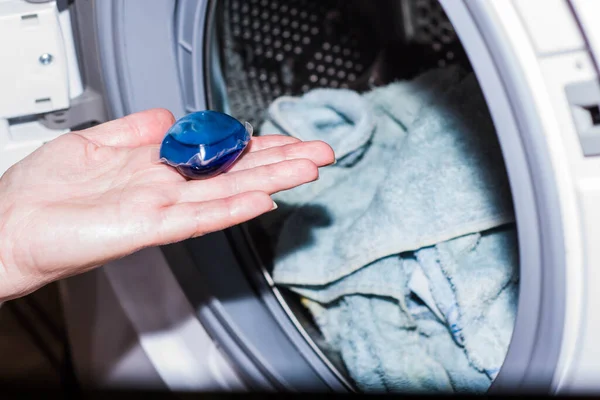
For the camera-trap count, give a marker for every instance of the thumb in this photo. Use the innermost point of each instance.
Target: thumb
(139, 129)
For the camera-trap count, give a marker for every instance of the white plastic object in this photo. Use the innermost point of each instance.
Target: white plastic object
(19, 140)
(551, 25)
(587, 14)
(75, 83)
(38, 74)
(33, 71)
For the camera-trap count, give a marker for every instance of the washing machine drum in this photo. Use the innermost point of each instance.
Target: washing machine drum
(431, 257)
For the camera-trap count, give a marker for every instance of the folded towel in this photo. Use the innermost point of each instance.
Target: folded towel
(444, 178)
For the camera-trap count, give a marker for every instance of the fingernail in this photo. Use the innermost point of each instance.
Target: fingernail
(334, 161)
(274, 206)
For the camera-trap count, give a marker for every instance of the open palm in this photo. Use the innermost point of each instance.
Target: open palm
(92, 196)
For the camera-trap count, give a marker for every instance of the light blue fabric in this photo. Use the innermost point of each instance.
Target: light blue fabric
(389, 111)
(442, 179)
(474, 283)
(473, 280)
(386, 349)
(386, 277)
(395, 246)
(341, 116)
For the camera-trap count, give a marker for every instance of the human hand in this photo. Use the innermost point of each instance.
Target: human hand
(93, 196)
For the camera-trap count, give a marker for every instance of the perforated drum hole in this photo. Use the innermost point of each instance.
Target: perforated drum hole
(304, 44)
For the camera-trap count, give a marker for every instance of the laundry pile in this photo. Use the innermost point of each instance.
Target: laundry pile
(405, 250)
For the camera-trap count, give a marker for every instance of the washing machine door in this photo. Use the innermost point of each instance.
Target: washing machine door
(206, 313)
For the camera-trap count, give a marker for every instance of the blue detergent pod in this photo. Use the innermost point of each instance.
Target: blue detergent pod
(204, 144)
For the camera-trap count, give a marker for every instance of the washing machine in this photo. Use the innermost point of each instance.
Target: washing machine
(205, 314)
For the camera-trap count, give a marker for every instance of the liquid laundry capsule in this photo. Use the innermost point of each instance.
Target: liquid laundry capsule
(204, 144)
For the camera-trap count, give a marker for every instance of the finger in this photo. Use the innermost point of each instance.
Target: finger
(316, 151)
(138, 129)
(270, 178)
(186, 220)
(264, 142)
